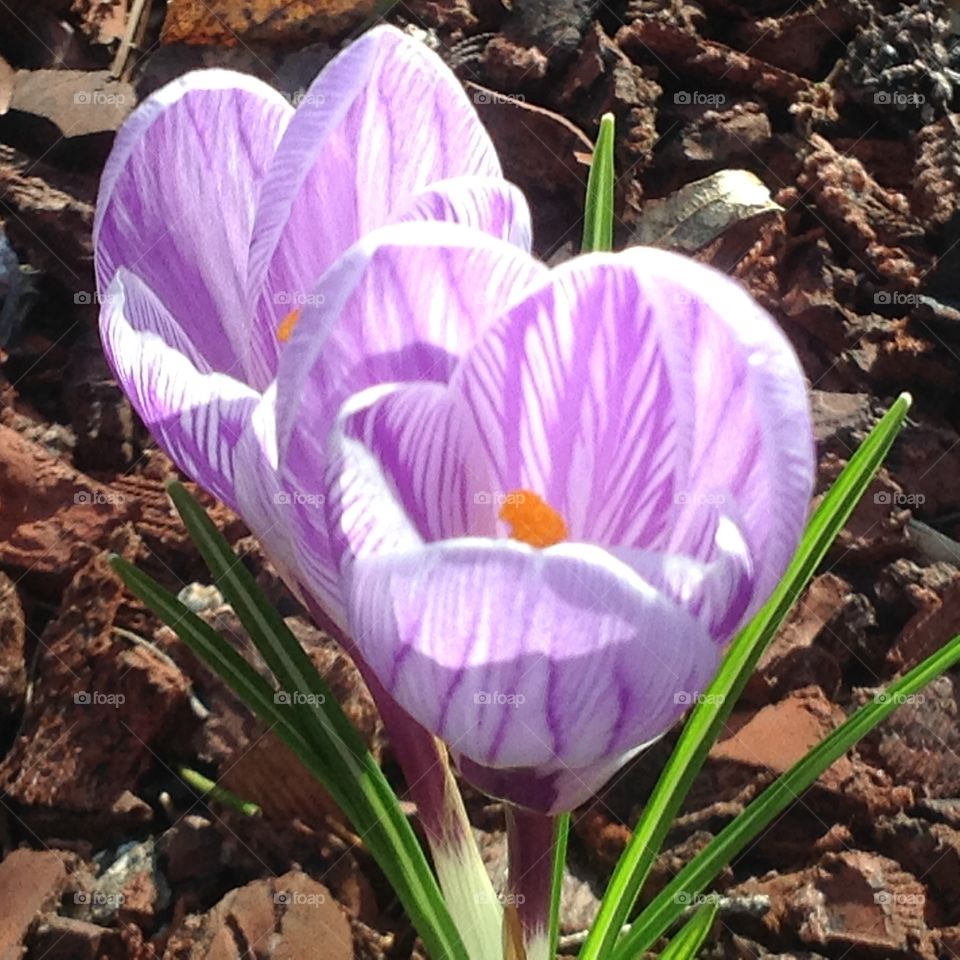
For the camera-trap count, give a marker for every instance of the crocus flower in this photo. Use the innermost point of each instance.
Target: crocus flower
(219, 210)
(221, 206)
(550, 497)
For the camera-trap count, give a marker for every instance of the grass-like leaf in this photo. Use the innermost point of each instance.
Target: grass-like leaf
(664, 909)
(598, 210)
(561, 834)
(213, 790)
(689, 940)
(324, 740)
(707, 718)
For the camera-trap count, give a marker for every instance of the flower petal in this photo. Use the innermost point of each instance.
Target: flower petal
(197, 417)
(519, 657)
(384, 119)
(399, 307)
(631, 391)
(484, 203)
(176, 207)
(403, 304)
(425, 448)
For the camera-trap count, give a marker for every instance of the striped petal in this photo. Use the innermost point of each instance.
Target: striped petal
(198, 417)
(646, 397)
(383, 120)
(401, 305)
(525, 658)
(398, 308)
(176, 207)
(487, 204)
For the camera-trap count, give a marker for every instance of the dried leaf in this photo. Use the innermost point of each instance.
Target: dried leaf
(695, 215)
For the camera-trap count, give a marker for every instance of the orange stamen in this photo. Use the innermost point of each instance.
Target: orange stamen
(285, 330)
(532, 520)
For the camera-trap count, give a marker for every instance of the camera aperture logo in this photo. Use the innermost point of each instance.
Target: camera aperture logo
(496, 699)
(687, 698)
(95, 698)
(292, 898)
(297, 698)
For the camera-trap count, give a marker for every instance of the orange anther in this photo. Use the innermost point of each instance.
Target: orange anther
(285, 330)
(532, 520)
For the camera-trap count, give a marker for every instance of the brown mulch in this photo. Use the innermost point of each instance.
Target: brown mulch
(848, 114)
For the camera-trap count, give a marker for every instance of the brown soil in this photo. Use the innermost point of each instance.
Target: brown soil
(106, 853)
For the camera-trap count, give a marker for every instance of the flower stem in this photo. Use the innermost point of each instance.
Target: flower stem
(530, 880)
(463, 878)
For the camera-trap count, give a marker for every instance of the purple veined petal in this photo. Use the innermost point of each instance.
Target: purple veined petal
(384, 119)
(753, 444)
(196, 417)
(426, 449)
(289, 521)
(717, 590)
(548, 790)
(360, 516)
(488, 204)
(402, 305)
(519, 657)
(176, 207)
(630, 389)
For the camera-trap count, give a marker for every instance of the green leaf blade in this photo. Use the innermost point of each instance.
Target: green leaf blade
(707, 718)
(598, 209)
(737, 835)
(686, 944)
(317, 731)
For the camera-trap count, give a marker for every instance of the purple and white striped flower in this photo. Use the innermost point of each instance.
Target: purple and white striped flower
(219, 210)
(221, 206)
(551, 497)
